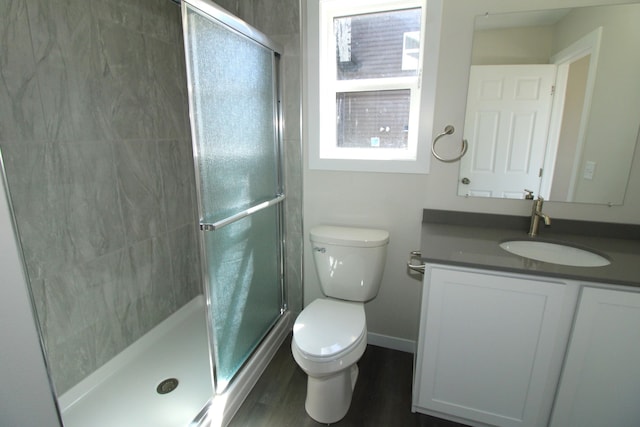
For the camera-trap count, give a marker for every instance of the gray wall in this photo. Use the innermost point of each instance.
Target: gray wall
(94, 132)
(280, 20)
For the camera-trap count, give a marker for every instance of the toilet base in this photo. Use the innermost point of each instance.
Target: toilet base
(329, 397)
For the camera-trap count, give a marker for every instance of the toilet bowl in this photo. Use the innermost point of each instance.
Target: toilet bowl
(330, 334)
(329, 337)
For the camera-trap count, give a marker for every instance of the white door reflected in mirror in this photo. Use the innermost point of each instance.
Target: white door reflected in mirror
(590, 139)
(508, 114)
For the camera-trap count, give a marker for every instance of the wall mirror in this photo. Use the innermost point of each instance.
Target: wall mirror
(553, 104)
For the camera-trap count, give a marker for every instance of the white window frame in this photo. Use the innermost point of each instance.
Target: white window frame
(319, 93)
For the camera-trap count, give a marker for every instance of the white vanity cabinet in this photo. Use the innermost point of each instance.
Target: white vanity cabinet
(600, 383)
(491, 345)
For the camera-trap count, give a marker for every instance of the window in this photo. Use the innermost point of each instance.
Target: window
(369, 59)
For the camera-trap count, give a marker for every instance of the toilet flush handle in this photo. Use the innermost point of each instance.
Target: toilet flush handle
(319, 249)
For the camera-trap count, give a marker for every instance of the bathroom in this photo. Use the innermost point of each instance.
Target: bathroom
(393, 201)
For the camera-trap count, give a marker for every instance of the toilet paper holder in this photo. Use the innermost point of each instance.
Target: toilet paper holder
(415, 267)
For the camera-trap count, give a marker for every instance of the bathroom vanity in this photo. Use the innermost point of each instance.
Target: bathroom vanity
(506, 340)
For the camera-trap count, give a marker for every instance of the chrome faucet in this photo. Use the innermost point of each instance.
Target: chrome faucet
(536, 214)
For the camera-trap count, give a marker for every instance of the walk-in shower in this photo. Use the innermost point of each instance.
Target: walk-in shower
(150, 278)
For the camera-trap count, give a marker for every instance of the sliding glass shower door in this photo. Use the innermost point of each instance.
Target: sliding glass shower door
(234, 112)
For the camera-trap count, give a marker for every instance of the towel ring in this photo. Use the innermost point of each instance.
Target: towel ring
(448, 130)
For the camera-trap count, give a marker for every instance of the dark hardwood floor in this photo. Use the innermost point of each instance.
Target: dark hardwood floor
(382, 396)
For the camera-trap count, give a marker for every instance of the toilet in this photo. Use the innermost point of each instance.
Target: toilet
(330, 334)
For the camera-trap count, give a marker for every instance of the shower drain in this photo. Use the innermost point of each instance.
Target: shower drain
(167, 386)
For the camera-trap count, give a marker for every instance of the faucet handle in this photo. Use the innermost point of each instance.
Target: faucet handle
(529, 195)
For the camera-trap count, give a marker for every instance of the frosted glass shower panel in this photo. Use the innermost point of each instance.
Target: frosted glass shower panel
(244, 270)
(233, 112)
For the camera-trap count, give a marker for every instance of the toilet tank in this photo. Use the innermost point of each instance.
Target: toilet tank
(349, 261)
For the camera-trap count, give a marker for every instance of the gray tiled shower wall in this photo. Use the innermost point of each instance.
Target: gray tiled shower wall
(95, 136)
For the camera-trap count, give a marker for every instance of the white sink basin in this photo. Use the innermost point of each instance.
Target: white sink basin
(555, 253)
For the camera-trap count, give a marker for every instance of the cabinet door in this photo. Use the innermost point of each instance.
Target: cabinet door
(488, 345)
(600, 384)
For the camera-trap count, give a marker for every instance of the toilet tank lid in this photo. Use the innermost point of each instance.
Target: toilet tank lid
(349, 236)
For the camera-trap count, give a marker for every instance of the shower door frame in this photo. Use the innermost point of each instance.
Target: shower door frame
(234, 24)
(24, 368)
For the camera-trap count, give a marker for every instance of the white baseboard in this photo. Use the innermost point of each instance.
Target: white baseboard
(386, 341)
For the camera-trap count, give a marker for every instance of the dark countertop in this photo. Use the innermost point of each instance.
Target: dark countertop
(472, 240)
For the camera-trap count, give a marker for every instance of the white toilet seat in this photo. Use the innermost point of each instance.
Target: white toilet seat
(328, 329)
